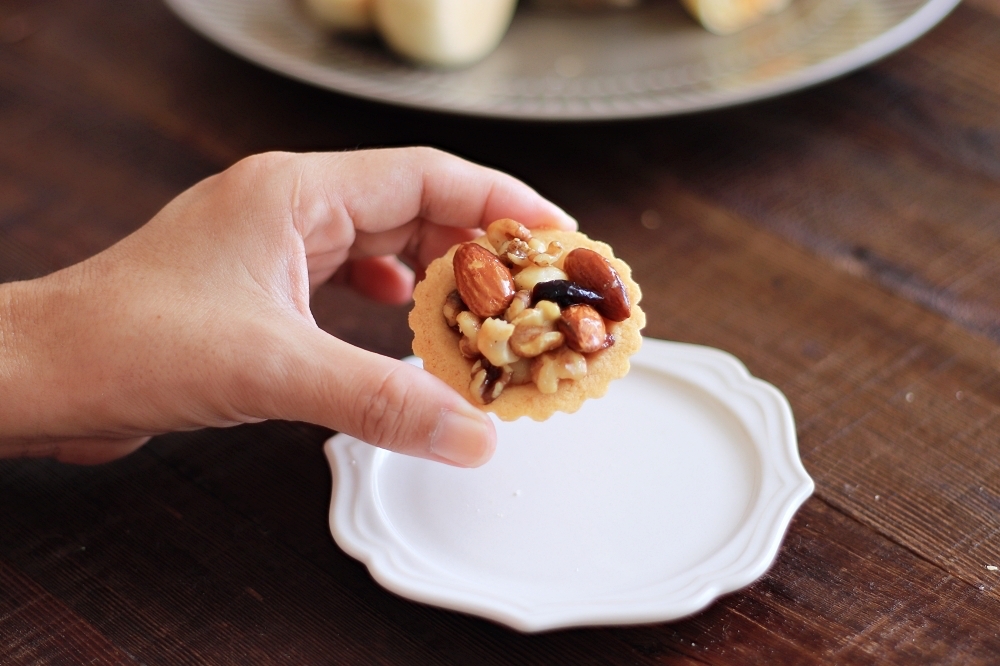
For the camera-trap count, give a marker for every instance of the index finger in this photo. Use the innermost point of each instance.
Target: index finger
(377, 191)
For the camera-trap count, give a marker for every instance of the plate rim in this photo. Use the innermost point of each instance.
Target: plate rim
(361, 528)
(898, 36)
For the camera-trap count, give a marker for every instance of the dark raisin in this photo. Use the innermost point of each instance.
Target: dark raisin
(564, 293)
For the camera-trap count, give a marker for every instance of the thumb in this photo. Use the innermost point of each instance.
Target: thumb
(382, 401)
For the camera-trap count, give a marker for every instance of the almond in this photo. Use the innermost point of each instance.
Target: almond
(484, 283)
(584, 329)
(592, 271)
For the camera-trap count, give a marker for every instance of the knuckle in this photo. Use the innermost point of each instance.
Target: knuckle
(255, 166)
(427, 152)
(267, 160)
(429, 157)
(387, 410)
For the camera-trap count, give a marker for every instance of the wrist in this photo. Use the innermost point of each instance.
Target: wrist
(20, 373)
(26, 389)
(40, 363)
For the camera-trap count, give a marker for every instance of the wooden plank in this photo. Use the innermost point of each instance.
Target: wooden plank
(213, 547)
(182, 86)
(169, 588)
(991, 6)
(66, 162)
(892, 173)
(37, 628)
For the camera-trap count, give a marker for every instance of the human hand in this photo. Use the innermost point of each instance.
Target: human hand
(201, 317)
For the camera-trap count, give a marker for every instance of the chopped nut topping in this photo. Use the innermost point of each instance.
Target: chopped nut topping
(548, 255)
(531, 253)
(468, 349)
(518, 253)
(544, 312)
(530, 341)
(520, 371)
(541, 343)
(501, 232)
(493, 339)
(453, 305)
(488, 381)
(528, 277)
(468, 325)
(522, 300)
(535, 330)
(549, 368)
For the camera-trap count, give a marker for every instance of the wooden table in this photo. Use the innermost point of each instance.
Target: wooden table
(844, 242)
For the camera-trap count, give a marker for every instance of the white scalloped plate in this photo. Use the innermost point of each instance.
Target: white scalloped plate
(644, 506)
(649, 61)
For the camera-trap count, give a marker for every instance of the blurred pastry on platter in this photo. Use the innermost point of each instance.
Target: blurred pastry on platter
(587, 4)
(724, 17)
(441, 33)
(455, 33)
(446, 33)
(341, 15)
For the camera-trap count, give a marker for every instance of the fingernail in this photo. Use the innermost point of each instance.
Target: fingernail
(463, 438)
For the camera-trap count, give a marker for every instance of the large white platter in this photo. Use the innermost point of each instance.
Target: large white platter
(649, 61)
(644, 506)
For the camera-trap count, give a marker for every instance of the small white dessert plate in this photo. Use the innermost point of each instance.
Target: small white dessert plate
(644, 506)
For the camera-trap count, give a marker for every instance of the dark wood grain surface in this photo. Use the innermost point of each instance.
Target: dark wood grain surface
(843, 241)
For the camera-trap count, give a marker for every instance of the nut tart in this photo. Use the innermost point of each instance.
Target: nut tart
(527, 322)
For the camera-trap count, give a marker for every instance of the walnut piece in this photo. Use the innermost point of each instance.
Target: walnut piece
(468, 325)
(535, 330)
(492, 341)
(549, 368)
(488, 381)
(521, 302)
(528, 277)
